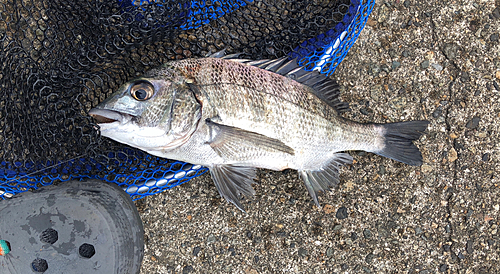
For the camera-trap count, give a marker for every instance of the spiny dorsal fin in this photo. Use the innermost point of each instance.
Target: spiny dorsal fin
(323, 87)
(222, 54)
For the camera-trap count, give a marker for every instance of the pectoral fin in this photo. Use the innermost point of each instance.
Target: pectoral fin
(236, 144)
(326, 177)
(231, 181)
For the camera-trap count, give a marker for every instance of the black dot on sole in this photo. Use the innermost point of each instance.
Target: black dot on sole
(39, 265)
(49, 236)
(86, 250)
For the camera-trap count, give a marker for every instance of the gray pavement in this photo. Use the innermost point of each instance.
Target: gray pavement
(438, 60)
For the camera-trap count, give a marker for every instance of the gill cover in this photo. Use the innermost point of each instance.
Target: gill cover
(185, 113)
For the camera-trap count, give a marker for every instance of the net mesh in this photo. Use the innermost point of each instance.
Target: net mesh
(59, 58)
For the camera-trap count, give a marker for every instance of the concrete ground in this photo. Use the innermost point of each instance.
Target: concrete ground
(435, 60)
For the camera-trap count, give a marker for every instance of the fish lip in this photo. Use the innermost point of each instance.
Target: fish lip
(105, 116)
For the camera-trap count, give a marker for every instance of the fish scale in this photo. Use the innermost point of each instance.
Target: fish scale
(215, 72)
(299, 115)
(235, 115)
(293, 123)
(303, 130)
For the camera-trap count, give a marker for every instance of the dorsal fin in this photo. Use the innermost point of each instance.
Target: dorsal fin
(323, 87)
(222, 54)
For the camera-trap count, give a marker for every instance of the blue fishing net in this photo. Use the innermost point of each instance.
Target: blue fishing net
(58, 60)
(138, 173)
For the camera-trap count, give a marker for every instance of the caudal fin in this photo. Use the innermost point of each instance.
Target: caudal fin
(399, 139)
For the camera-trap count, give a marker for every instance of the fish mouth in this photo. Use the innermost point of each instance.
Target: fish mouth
(104, 116)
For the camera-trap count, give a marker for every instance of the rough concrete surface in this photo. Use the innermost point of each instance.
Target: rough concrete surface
(435, 60)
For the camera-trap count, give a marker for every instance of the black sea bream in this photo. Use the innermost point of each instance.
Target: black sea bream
(234, 115)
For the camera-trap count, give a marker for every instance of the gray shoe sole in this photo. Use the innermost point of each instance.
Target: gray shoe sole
(76, 227)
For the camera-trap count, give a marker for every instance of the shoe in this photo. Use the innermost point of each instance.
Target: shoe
(75, 227)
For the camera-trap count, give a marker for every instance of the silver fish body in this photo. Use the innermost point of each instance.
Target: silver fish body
(237, 115)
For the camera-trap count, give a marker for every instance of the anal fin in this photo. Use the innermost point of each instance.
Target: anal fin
(232, 181)
(325, 178)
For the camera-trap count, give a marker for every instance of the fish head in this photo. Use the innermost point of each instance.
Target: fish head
(149, 113)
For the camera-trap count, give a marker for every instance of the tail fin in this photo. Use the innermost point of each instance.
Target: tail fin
(398, 141)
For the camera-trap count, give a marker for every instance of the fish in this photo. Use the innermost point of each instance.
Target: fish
(235, 115)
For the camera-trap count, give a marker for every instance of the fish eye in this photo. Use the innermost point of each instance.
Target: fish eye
(142, 90)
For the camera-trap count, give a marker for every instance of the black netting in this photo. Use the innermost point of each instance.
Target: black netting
(58, 59)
